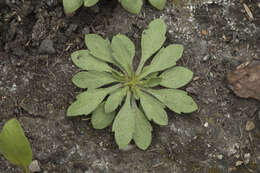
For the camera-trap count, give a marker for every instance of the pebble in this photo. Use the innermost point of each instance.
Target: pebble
(47, 47)
(239, 163)
(220, 157)
(34, 166)
(250, 125)
(247, 158)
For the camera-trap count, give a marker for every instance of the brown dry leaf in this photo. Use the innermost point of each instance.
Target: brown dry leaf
(245, 82)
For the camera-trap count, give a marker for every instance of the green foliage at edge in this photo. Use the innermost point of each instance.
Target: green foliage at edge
(14, 145)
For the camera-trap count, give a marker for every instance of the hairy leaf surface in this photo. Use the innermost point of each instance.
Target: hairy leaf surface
(88, 101)
(153, 110)
(152, 40)
(176, 77)
(100, 119)
(124, 124)
(115, 99)
(143, 130)
(84, 60)
(14, 145)
(92, 79)
(99, 47)
(176, 100)
(123, 51)
(164, 59)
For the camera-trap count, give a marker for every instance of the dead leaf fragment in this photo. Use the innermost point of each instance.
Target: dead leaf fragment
(248, 11)
(245, 82)
(250, 125)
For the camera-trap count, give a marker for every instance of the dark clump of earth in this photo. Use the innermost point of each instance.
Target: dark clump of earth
(36, 40)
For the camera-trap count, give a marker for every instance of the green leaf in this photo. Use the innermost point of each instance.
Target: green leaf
(99, 47)
(153, 110)
(115, 99)
(152, 40)
(176, 100)
(133, 6)
(123, 51)
(71, 5)
(176, 77)
(152, 82)
(89, 3)
(14, 145)
(88, 101)
(92, 79)
(100, 119)
(143, 130)
(159, 4)
(124, 124)
(84, 60)
(164, 59)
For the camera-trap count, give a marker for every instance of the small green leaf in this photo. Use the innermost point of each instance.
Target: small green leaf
(99, 47)
(100, 119)
(14, 145)
(92, 79)
(152, 82)
(123, 51)
(124, 124)
(159, 4)
(84, 60)
(176, 100)
(164, 59)
(71, 5)
(153, 110)
(143, 130)
(152, 40)
(133, 6)
(176, 77)
(115, 99)
(88, 101)
(89, 3)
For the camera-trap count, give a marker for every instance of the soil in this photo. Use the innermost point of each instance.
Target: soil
(36, 40)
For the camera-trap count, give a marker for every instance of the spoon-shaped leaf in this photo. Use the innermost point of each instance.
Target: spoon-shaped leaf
(143, 130)
(176, 77)
(153, 109)
(92, 79)
(124, 124)
(100, 119)
(84, 60)
(152, 40)
(176, 100)
(14, 145)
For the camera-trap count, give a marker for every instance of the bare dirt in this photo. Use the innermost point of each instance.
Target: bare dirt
(36, 40)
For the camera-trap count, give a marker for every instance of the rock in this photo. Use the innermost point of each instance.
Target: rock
(250, 125)
(220, 157)
(245, 81)
(239, 163)
(247, 158)
(34, 166)
(47, 47)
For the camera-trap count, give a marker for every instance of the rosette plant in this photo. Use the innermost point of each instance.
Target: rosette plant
(127, 98)
(133, 6)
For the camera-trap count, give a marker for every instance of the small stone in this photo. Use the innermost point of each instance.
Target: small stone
(220, 157)
(250, 125)
(47, 47)
(128, 148)
(239, 163)
(34, 166)
(206, 124)
(247, 158)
